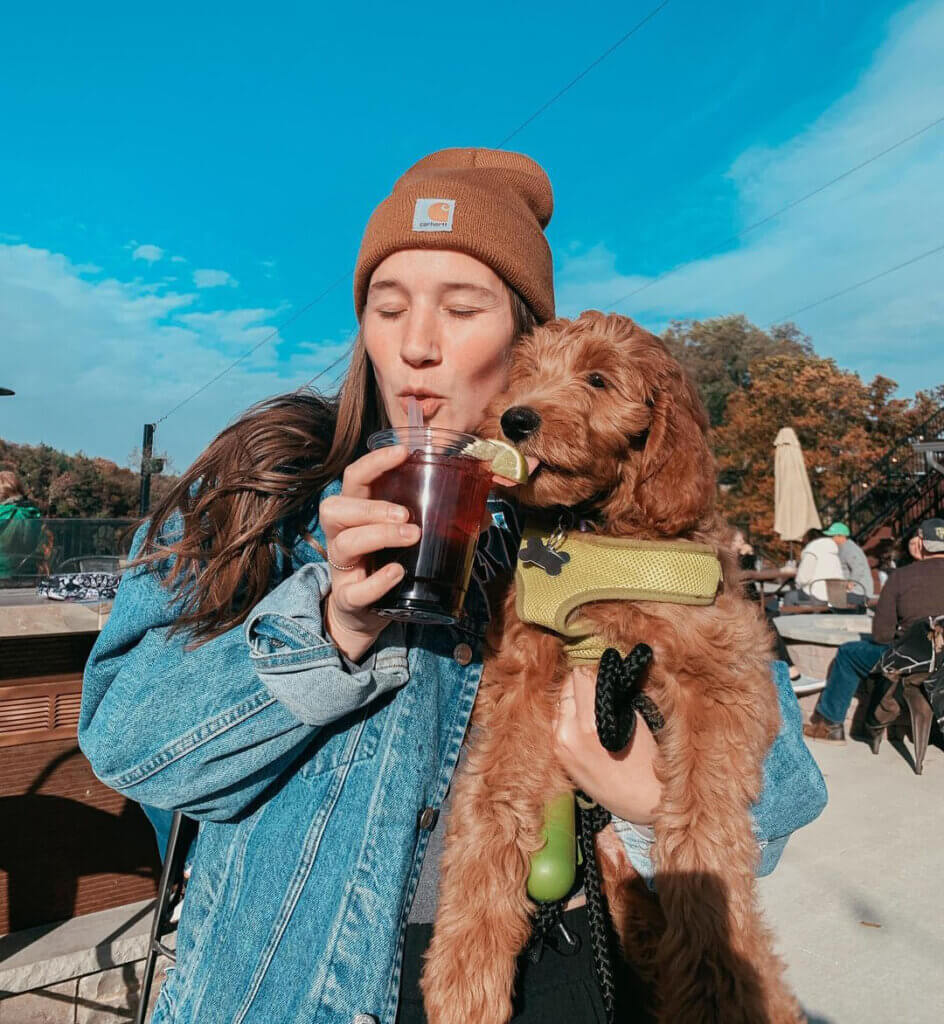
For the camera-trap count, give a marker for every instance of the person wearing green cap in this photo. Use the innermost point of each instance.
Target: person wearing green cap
(855, 563)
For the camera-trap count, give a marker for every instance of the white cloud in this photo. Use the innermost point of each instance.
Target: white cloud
(178, 259)
(213, 279)
(149, 253)
(92, 360)
(881, 216)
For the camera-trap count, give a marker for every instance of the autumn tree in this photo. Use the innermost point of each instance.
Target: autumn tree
(718, 354)
(843, 425)
(76, 486)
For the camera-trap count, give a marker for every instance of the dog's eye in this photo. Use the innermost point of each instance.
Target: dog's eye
(596, 380)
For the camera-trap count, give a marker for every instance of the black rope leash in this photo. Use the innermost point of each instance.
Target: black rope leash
(618, 697)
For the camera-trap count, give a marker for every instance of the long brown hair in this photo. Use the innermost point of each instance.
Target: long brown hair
(216, 535)
(10, 487)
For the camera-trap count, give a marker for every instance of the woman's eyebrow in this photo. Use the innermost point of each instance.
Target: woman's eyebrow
(385, 286)
(479, 290)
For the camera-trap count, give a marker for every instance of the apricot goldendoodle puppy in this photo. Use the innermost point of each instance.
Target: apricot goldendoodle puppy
(620, 435)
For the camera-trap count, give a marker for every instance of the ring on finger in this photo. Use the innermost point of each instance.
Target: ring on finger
(340, 568)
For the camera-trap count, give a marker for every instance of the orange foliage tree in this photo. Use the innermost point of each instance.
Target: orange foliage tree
(843, 425)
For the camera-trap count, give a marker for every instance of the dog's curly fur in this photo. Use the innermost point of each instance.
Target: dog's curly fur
(633, 453)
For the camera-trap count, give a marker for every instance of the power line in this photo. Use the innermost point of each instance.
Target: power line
(331, 287)
(510, 136)
(776, 213)
(858, 284)
(586, 71)
(335, 362)
(249, 351)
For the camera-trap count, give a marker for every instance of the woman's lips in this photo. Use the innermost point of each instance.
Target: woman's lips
(430, 404)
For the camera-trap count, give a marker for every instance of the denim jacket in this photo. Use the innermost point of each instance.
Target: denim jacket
(309, 777)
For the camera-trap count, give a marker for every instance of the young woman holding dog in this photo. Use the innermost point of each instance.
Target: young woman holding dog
(244, 679)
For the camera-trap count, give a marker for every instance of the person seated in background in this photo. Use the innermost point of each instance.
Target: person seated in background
(912, 592)
(915, 546)
(21, 529)
(819, 561)
(882, 560)
(855, 563)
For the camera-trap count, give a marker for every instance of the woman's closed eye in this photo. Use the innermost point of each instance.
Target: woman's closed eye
(390, 314)
(463, 312)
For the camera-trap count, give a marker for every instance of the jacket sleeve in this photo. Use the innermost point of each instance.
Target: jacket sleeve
(806, 570)
(207, 730)
(794, 793)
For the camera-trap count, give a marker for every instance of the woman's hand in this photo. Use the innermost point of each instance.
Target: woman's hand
(355, 526)
(624, 783)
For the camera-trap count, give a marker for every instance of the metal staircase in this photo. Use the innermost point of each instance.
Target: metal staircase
(897, 491)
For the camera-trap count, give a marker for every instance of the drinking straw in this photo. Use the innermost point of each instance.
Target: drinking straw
(414, 413)
(414, 420)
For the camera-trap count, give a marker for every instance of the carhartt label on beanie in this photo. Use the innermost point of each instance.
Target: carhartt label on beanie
(488, 203)
(433, 214)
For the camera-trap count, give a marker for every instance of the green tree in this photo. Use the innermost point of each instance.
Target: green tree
(77, 486)
(718, 354)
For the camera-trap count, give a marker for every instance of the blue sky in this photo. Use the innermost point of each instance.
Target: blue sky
(176, 182)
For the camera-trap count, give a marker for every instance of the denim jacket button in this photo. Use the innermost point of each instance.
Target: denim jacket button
(428, 818)
(462, 654)
(365, 1018)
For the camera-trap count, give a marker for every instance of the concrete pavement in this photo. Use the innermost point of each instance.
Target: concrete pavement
(857, 901)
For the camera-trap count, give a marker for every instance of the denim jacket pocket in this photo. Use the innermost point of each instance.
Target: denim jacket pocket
(352, 738)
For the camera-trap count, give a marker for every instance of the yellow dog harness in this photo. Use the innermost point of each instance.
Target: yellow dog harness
(559, 572)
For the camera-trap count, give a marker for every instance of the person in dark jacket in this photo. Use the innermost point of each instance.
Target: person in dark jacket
(21, 528)
(913, 592)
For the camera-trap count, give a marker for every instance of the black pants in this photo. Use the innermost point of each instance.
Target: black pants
(556, 990)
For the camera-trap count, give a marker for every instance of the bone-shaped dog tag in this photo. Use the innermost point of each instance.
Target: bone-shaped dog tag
(537, 553)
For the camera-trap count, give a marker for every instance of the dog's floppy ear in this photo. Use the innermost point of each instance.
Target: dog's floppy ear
(675, 486)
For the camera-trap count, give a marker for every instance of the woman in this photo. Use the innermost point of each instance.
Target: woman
(819, 561)
(244, 679)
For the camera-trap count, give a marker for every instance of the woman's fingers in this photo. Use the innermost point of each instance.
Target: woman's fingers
(368, 591)
(360, 474)
(341, 513)
(584, 683)
(570, 708)
(352, 544)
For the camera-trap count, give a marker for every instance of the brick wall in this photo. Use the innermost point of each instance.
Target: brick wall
(70, 844)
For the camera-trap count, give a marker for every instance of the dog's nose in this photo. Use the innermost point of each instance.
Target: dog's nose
(519, 422)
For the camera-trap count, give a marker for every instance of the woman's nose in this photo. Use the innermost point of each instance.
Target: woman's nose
(420, 342)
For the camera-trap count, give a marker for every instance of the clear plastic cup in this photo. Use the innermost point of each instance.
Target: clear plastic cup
(445, 492)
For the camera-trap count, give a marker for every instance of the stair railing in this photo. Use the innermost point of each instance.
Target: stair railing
(864, 503)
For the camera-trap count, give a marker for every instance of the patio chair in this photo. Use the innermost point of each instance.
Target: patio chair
(905, 668)
(839, 594)
(169, 894)
(91, 563)
(887, 711)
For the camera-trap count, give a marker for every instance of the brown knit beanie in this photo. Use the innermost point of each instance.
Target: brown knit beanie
(487, 203)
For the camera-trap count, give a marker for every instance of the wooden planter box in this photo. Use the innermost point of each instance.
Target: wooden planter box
(68, 844)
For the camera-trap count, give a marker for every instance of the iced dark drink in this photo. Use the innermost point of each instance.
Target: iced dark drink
(445, 492)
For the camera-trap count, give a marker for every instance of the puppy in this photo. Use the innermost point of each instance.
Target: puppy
(617, 434)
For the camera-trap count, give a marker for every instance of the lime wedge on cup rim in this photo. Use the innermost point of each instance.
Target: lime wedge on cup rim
(504, 459)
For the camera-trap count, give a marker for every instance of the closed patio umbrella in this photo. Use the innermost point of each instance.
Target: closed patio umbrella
(794, 508)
